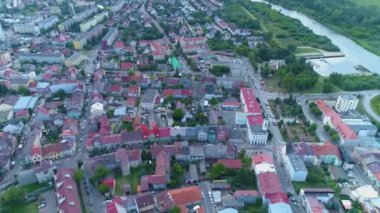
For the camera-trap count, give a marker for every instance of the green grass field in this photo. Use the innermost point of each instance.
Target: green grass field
(133, 179)
(306, 50)
(371, 3)
(375, 104)
(31, 207)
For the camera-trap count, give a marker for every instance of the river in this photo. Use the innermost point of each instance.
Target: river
(354, 53)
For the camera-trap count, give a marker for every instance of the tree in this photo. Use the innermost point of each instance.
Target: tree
(78, 175)
(15, 194)
(3, 90)
(326, 128)
(217, 171)
(103, 188)
(110, 113)
(175, 209)
(146, 155)
(61, 94)
(100, 173)
(178, 171)
(315, 174)
(244, 178)
(214, 101)
(327, 87)
(23, 91)
(178, 115)
(312, 128)
(79, 164)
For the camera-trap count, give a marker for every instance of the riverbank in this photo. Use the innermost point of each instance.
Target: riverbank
(355, 55)
(364, 35)
(286, 31)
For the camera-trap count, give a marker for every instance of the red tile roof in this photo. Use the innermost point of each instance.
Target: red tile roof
(269, 183)
(255, 120)
(326, 149)
(336, 121)
(126, 65)
(250, 101)
(262, 158)
(186, 195)
(66, 191)
(231, 163)
(277, 197)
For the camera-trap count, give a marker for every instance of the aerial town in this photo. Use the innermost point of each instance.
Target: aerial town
(116, 106)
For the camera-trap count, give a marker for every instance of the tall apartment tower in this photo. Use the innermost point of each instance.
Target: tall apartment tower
(2, 34)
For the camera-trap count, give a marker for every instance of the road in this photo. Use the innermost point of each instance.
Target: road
(277, 140)
(206, 202)
(367, 106)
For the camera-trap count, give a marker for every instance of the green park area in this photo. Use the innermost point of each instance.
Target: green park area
(375, 104)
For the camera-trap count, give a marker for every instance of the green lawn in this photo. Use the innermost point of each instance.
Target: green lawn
(375, 104)
(375, 3)
(31, 207)
(272, 84)
(306, 50)
(316, 179)
(133, 179)
(361, 109)
(35, 186)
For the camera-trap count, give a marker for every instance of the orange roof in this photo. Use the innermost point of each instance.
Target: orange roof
(185, 196)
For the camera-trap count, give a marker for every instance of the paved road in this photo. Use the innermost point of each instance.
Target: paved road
(321, 133)
(367, 106)
(51, 203)
(277, 140)
(205, 188)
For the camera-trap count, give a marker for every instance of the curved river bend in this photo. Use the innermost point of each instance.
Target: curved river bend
(354, 53)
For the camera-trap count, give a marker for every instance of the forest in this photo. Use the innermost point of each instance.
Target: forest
(359, 20)
(355, 82)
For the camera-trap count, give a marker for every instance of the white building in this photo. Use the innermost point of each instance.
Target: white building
(97, 109)
(280, 207)
(257, 130)
(296, 167)
(346, 103)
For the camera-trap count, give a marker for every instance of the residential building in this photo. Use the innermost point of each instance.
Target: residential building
(96, 19)
(66, 191)
(50, 58)
(110, 37)
(44, 172)
(182, 197)
(66, 25)
(74, 60)
(333, 119)
(48, 23)
(280, 207)
(5, 57)
(7, 149)
(313, 199)
(148, 99)
(97, 109)
(81, 40)
(274, 64)
(296, 167)
(346, 103)
(145, 202)
(117, 6)
(247, 196)
(257, 129)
